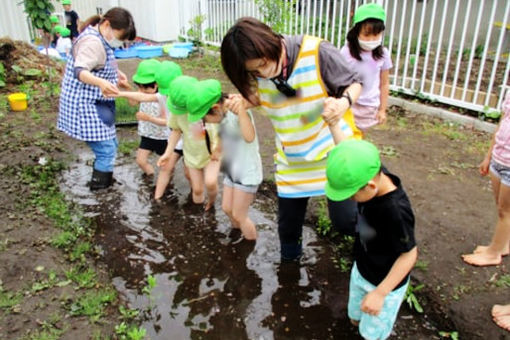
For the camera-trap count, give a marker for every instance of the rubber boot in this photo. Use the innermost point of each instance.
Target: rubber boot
(100, 180)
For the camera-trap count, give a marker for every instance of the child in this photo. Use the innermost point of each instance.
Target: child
(64, 43)
(241, 163)
(202, 162)
(384, 248)
(497, 165)
(72, 18)
(164, 75)
(54, 24)
(371, 60)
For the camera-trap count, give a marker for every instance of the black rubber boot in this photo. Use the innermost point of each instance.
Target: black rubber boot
(100, 180)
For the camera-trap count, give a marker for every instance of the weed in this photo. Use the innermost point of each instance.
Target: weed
(9, 299)
(124, 112)
(411, 298)
(450, 335)
(459, 290)
(79, 251)
(127, 314)
(127, 146)
(389, 151)
(151, 283)
(64, 240)
(129, 333)
(323, 222)
(84, 278)
(503, 281)
(92, 303)
(344, 264)
(421, 265)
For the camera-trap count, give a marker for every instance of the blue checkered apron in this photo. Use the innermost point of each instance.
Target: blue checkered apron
(78, 113)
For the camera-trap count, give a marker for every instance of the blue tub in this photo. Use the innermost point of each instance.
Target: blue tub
(149, 51)
(185, 45)
(176, 52)
(122, 53)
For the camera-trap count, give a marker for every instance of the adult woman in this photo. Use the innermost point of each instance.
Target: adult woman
(305, 86)
(92, 74)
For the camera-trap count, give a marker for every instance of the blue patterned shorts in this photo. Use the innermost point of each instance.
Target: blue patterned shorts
(373, 326)
(502, 172)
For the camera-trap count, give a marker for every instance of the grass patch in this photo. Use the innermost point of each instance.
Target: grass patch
(93, 303)
(83, 277)
(125, 113)
(9, 299)
(127, 146)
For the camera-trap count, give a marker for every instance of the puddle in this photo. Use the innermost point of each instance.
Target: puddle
(208, 284)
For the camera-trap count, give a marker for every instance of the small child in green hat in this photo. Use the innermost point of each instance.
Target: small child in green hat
(64, 43)
(164, 75)
(200, 157)
(241, 163)
(384, 248)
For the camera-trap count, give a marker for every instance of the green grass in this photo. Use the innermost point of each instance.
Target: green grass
(124, 113)
(83, 277)
(93, 303)
(127, 146)
(9, 299)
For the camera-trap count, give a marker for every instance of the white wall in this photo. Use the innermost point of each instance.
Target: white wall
(13, 21)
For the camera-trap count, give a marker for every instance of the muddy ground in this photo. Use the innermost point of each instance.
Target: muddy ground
(436, 161)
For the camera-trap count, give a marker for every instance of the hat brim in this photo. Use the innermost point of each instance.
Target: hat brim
(195, 117)
(164, 90)
(339, 195)
(143, 80)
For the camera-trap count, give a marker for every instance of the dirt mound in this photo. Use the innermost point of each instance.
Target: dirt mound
(22, 61)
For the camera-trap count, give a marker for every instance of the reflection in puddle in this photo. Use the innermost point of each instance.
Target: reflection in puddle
(208, 285)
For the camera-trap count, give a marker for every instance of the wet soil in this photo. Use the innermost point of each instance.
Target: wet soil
(210, 286)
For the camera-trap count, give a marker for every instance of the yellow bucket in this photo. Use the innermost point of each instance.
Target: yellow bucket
(18, 101)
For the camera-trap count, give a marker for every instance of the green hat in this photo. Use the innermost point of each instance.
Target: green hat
(65, 32)
(178, 95)
(369, 11)
(146, 71)
(66, 2)
(205, 94)
(58, 29)
(54, 19)
(166, 73)
(351, 165)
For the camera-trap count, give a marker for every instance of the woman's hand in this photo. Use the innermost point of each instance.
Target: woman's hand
(108, 89)
(334, 109)
(123, 81)
(484, 166)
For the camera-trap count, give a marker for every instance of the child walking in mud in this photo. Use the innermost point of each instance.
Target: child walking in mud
(384, 248)
(365, 53)
(496, 164)
(241, 163)
(200, 144)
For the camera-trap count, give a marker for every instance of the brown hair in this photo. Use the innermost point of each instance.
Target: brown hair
(119, 18)
(248, 39)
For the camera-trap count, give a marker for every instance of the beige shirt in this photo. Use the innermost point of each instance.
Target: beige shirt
(89, 53)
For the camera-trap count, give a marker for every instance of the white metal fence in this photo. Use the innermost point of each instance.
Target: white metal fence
(452, 51)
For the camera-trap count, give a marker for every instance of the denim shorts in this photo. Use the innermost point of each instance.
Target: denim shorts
(502, 172)
(373, 326)
(250, 189)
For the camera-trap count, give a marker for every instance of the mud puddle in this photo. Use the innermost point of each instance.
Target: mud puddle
(209, 284)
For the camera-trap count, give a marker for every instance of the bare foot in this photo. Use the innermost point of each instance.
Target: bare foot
(501, 316)
(209, 205)
(482, 259)
(483, 249)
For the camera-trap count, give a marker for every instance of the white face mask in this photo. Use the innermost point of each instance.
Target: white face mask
(114, 43)
(369, 45)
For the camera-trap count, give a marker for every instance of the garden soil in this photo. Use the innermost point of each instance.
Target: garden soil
(436, 161)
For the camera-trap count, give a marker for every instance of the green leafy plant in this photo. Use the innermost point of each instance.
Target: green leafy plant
(450, 335)
(275, 12)
(124, 332)
(411, 298)
(127, 314)
(2, 75)
(92, 303)
(151, 283)
(38, 12)
(323, 221)
(195, 31)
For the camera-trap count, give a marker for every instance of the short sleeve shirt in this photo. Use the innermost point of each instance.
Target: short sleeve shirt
(89, 53)
(501, 150)
(148, 129)
(369, 70)
(385, 230)
(72, 22)
(195, 151)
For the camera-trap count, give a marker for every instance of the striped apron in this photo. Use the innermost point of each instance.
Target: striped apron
(303, 139)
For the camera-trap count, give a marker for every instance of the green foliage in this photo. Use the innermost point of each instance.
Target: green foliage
(39, 12)
(503, 281)
(9, 299)
(151, 283)
(127, 146)
(195, 31)
(85, 278)
(124, 332)
(92, 303)
(479, 51)
(450, 335)
(2, 75)
(323, 221)
(124, 113)
(127, 314)
(411, 298)
(275, 12)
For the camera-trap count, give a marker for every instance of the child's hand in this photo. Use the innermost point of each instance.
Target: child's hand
(381, 116)
(484, 166)
(373, 303)
(142, 116)
(334, 109)
(163, 160)
(235, 103)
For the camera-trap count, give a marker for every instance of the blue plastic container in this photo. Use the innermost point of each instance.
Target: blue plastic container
(185, 45)
(176, 52)
(122, 53)
(149, 51)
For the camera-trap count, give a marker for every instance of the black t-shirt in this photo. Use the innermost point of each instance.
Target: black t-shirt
(385, 230)
(72, 22)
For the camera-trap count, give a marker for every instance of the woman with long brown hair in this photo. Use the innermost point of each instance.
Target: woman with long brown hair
(91, 76)
(306, 88)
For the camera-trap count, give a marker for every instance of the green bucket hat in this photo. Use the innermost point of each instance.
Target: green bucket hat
(369, 11)
(54, 19)
(66, 2)
(58, 29)
(166, 73)
(180, 89)
(351, 164)
(65, 32)
(205, 94)
(146, 71)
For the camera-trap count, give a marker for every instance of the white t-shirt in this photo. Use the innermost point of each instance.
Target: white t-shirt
(64, 45)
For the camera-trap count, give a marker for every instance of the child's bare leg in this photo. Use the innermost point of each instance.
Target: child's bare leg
(226, 204)
(501, 316)
(242, 201)
(501, 237)
(165, 173)
(142, 157)
(186, 174)
(197, 185)
(211, 171)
